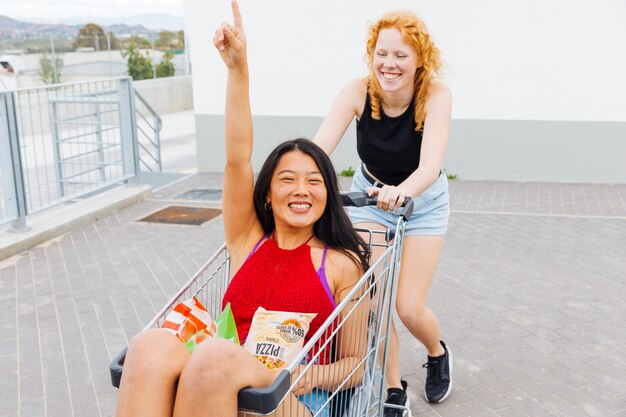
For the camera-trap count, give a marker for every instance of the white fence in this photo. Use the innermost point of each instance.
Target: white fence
(64, 142)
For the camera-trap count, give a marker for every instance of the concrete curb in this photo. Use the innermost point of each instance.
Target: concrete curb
(60, 220)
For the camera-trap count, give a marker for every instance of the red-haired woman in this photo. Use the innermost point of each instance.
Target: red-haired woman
(403, 117)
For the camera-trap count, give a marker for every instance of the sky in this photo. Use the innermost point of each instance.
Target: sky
(50, 10)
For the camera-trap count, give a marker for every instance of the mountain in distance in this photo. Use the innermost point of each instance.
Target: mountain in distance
(12, 28)
(151, 23)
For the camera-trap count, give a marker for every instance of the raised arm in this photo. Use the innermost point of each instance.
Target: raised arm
(239, 215)
(347, 105)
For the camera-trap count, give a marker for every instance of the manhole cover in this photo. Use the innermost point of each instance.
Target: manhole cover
(201, 194)
(183, 215)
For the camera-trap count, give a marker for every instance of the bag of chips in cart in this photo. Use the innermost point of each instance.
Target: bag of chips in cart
(191, 323)
(188, 318)
(276, 337)
(224, 327)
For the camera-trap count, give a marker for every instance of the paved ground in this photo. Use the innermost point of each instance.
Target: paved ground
(530, 294)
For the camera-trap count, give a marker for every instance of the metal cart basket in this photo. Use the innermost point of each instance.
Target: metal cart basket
(359, 393)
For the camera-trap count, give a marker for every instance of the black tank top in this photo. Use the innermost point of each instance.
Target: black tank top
(389, 147)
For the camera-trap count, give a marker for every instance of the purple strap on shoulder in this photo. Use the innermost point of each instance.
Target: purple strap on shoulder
(321, 273)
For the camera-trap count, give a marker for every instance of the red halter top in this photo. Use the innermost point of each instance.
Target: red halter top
(281, 280)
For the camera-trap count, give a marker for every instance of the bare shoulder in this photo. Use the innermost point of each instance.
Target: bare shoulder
(342, 260)
(357, 85)
(439, 91)
(439, 100)
(354, 92)
(343, 269)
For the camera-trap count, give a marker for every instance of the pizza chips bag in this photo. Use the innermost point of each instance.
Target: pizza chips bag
(276, 337)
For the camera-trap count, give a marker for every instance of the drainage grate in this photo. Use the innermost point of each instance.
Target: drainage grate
(201, 194)
(183, 215)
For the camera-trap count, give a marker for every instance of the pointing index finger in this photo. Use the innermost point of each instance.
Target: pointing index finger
(236, 15)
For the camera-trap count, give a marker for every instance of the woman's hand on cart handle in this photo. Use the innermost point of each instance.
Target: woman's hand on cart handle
(361, 198)
(388, 197)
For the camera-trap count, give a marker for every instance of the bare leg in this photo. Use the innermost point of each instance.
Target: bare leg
(392, 373)
(216, 372)
(152, 367)
(420, 256)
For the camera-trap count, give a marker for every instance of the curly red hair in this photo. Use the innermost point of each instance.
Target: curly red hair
(414, 33)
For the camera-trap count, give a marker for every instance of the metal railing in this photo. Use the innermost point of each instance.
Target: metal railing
(148, 135)
(63, 142)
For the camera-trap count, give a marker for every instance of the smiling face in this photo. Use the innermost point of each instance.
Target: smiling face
(297, 191)
(394, 62)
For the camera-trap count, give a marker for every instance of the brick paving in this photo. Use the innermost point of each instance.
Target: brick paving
(529, 292)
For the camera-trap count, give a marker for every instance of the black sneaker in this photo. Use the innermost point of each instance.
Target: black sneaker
(397, 396)
(439, 376)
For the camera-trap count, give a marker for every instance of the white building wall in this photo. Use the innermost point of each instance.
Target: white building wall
(536, 60)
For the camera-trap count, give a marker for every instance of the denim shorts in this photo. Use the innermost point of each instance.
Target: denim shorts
(314, 401)
(430, 213)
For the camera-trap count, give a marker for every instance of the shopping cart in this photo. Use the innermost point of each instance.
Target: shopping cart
(369, 302)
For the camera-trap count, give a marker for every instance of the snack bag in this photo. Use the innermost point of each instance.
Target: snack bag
(226, 327)
(223, 326)
(188, 318)
(195, 340)
(276, 337)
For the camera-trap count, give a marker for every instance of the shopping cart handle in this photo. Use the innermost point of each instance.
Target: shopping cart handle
(361, 198)
(357, 199)
(265, 400)
(116, 368)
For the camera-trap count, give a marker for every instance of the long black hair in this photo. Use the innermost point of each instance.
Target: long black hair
(333, 228)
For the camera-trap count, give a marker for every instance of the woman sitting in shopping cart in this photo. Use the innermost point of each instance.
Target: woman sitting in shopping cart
(288, 232)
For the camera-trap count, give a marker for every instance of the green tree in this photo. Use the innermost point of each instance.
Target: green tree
(139, 41)
(166, 40)
(166, 67)
(139, 66)
(47, 73)
(170, 40)
(92, 35)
